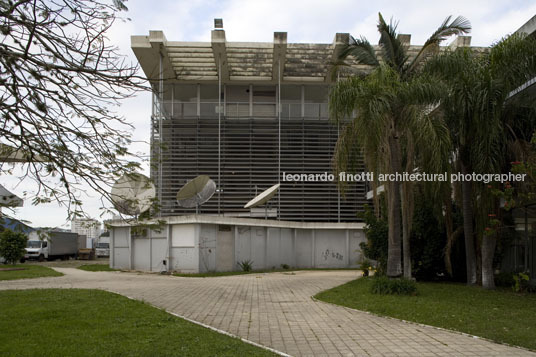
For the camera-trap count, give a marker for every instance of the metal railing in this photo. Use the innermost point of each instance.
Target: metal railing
(177, 109)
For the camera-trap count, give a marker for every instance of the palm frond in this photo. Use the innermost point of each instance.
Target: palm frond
(343, 97)
(361, 50)
(460, 25)
(513, 60)
(394, 52)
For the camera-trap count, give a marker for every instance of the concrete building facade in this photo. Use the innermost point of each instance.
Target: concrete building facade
(197, 243)
(247, 115)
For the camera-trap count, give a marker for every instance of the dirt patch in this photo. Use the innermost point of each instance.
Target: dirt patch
(12, 269)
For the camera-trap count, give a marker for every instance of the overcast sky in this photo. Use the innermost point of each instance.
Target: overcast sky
(257, 20)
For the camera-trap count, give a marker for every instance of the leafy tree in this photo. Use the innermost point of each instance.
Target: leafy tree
(59, 79)
(487, 123)
(391, 117)
(12, 245)
(376, 231)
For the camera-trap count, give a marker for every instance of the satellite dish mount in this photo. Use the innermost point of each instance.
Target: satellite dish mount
(263, 199)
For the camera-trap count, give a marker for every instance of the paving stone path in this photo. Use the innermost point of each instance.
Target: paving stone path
(276, 310)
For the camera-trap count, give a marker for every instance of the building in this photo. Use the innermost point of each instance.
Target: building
(86, 226)
(264, 117)
(520, 254)
(248, 115)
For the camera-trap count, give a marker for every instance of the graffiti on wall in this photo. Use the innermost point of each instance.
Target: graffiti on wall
(328, 253)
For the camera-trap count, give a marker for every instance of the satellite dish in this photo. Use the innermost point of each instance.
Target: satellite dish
(8, 199)
(196, 192)
(133, 194)
(263, 198)
(11, 154)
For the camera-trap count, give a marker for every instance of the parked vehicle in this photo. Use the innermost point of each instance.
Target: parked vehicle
(102, 248)
(51, 245)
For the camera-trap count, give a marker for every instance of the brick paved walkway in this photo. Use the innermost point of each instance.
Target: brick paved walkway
(277, 310)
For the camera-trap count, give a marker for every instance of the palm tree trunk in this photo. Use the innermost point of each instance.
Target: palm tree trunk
(467, 207)
(407, 216)
(394, 257)
(447, 204)
(408, 207)
(488, 251)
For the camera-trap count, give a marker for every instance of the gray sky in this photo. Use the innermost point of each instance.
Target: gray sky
(257, 20)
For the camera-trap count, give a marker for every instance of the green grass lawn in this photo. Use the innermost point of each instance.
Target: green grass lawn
(501, 315)
(212, 274)
(96, 267)
(30, 271)
(73, 322)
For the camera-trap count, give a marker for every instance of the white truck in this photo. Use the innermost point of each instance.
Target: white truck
(51, 245)
(102, 248)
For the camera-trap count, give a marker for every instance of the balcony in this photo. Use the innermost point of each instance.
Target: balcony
(309, 111)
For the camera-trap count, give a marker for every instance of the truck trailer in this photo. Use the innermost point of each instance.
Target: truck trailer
(51, 245)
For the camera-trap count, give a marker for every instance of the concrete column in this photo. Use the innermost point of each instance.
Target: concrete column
(172, 100)
(150, 250)
(294, 246)
(460, 41)
(348, 247)
(198, 100)
(219, 49)
(112, 249)
(251, 100)
(168, 242)
(340, 40)
(279, 53)
(313, 250)
(235, 246)
(130, 248)
(266, 248)
(302, 101)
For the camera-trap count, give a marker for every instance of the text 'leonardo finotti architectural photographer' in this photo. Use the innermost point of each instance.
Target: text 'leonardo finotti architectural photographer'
(402, 177)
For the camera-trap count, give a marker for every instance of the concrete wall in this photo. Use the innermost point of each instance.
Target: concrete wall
(119, 248)
(184, 251)
(202, 247)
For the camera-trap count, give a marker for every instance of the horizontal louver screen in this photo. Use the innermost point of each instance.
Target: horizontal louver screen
(249, 164)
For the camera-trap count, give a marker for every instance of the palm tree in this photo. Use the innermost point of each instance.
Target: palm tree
(392, 117)
(483, 118)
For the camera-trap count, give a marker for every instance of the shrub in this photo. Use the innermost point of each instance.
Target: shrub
(428, 241)
(385, 286)
(366, 266)
(246, 265)
(285, 266)
(521, 282)
(504, 279)
(376, 231)
(12, 245)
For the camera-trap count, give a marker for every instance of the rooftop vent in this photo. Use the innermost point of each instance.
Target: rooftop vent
(218, 24)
